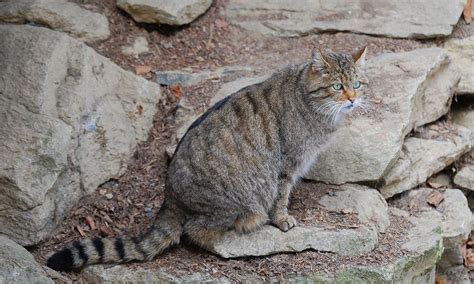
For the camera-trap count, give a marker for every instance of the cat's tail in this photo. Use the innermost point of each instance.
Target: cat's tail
(165, 232)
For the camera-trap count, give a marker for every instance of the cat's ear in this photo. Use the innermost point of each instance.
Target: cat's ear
(359, 56)
(320, 60)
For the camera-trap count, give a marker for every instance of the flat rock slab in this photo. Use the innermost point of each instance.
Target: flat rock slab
(170, 12)
(425, 156)
(462, 52)
(70, 121)
(270, 240)
(465, 177)
(399, 19)
(360, 239)
(408, 89)
(18, 265)
(58, 15)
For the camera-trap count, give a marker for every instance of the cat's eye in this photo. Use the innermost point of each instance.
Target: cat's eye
(337, 86)
(357, 85)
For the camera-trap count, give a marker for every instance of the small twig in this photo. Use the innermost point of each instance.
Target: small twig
(211, 34)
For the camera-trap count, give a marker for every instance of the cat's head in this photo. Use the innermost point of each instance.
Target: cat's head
(336, 83)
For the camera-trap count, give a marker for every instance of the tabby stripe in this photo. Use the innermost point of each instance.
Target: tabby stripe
(119, 248)
(138, 247)
(81, 251)
(252, 101)
(99, 247)
(265, 123)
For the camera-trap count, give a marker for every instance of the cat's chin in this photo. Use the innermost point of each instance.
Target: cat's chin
(348, 109)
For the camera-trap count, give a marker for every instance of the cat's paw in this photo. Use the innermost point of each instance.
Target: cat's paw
(285, 222)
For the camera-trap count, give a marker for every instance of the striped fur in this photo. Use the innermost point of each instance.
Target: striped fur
(235, 167)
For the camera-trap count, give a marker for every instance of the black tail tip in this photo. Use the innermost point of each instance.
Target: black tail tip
(61, 261)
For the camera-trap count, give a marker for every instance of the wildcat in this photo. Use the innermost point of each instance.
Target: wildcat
(235, 167)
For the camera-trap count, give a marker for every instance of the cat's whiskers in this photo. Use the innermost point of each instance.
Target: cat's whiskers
(324, 106)
(336, 114)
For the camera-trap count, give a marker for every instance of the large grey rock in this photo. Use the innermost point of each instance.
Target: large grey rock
(165, 11)
(400, 19)
(465, 177)
(453, 217)
(71, 120)
(270, 240)
(462, 52)
(421, 158)
(409, 89)
(59, 15)
(18, 265)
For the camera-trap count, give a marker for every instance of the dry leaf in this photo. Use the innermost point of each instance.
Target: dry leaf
(440, 280)
(142, 69)
(467, 251)
(435, 185)
(467, 13)
(176, 90)
(90, 222)
(435, 198)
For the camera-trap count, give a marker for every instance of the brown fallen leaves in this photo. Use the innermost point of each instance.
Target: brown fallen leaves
(435, 198)
(142, 69)
(467, 250)
(467, 13)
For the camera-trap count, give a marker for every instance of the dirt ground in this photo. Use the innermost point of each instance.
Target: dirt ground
(128, 204)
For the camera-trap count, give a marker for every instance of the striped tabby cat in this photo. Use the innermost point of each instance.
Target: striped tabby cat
(235, 167)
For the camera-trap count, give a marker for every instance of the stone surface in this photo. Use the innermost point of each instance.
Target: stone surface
(452, 215)
(168, 12)
(58, 15)
(412, 19)
(370, 206)
(465, 177)
(440, 180)
(408, 90)
(139, 46)
(270, 240)
(421, 158)
(18, 265)
(123, 274)
(72, 119)
(189, 77)
(462, 52)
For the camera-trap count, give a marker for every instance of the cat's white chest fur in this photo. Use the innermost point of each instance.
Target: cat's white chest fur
(309, 158)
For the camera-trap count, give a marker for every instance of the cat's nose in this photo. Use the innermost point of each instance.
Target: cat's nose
(351, 100)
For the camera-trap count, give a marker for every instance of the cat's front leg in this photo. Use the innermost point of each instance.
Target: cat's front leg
(279, 213)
